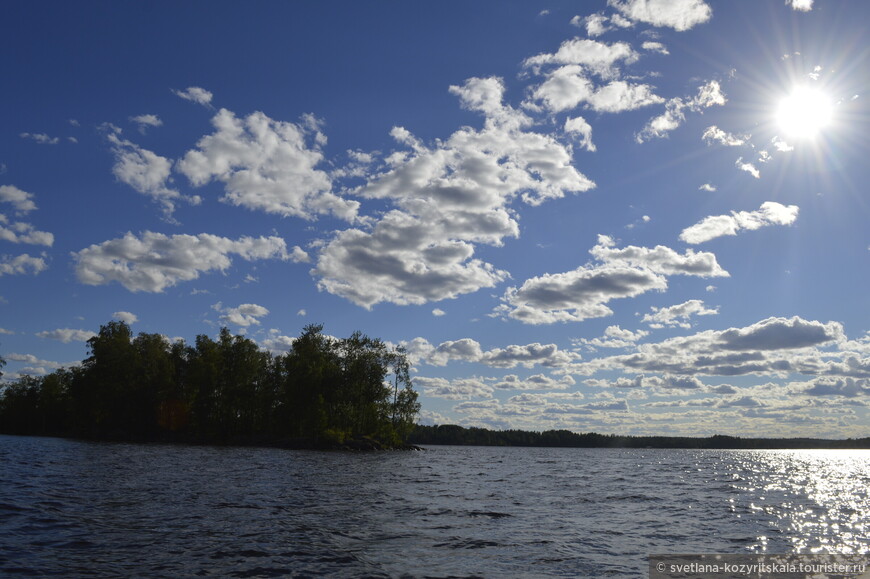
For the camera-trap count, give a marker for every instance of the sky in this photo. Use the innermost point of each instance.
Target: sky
(640, 217)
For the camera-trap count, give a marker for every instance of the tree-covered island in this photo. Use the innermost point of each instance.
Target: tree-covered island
(354, 392)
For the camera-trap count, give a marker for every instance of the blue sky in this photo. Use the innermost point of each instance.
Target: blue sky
(627, 216)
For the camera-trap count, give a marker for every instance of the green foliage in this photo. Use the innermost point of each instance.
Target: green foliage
(324, 391)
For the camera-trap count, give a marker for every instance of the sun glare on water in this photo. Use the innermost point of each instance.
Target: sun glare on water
(804, 112)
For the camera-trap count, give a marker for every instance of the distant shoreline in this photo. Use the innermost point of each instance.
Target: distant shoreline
(449, 434)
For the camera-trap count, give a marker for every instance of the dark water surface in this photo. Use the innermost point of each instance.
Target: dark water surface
(78, 509)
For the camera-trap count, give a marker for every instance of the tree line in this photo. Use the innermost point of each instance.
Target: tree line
(323, 392)
(458, 435)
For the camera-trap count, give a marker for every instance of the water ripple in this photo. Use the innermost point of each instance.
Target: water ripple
(70, 508)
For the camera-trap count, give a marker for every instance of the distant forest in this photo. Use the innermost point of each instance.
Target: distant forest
(458, 435)
(324, 392)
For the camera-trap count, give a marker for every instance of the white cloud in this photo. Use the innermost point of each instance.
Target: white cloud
(678, 315)
(715, 134)
(581, 130)
(781, 146)
(748, 167)
(598, 24)
(584, 292)
(450, 197)
(569, 86)
(770, 213)
(267, 165)
(22, 201)
(577, 295)
(614, 337)
(145, 121)
(438, 312)
(17, 232)
(779, 334)
(707, 187)
(144, 171)
(195, 94)
(709, 94)
(458, 389)
(772, 347)
(126, 317)
(677, 14)
(469, 350)
(67, 335)
(660, 259)
(244, 315)
(665, 382)
(40, 138)
(536, 382)
(21, 264)
(655, 47)
(596, 57)
(20, 232)
(153, 261)
(800, 5)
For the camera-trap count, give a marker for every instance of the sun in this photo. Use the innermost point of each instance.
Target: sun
(804, 112)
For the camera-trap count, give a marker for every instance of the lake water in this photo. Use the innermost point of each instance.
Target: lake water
(77, 509)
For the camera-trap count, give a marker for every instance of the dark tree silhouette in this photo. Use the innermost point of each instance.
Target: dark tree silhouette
(323, 392)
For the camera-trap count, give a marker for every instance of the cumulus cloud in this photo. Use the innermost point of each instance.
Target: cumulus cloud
(152, 261)
(19, 232)
(800, 5)
(584, 293)
(469, 350)
(770, 213)
(660, 259)
(569, 78)
(748, 167)
(126, 317)
(144, 171)
(536, 382)
(655, 47)
(707, 187)
(450, 197)
(664, 382)
(267, 165)
(774, 346)
(22, 264)
(598, 24)
(779, 334)
(569, 86)
(577, 295)
(40, 138)
(709, 94)
(457, 389)
(846, 387)
(596, 57)
(21, 201)
(580, 130)
(195, 94)
(680, 15)
(678, 315)
(244, 315)
(145, 121)
(714, 134)
(67, 335)
(614, 337)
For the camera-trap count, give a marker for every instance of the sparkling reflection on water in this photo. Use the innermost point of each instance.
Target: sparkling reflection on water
(73, 508)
